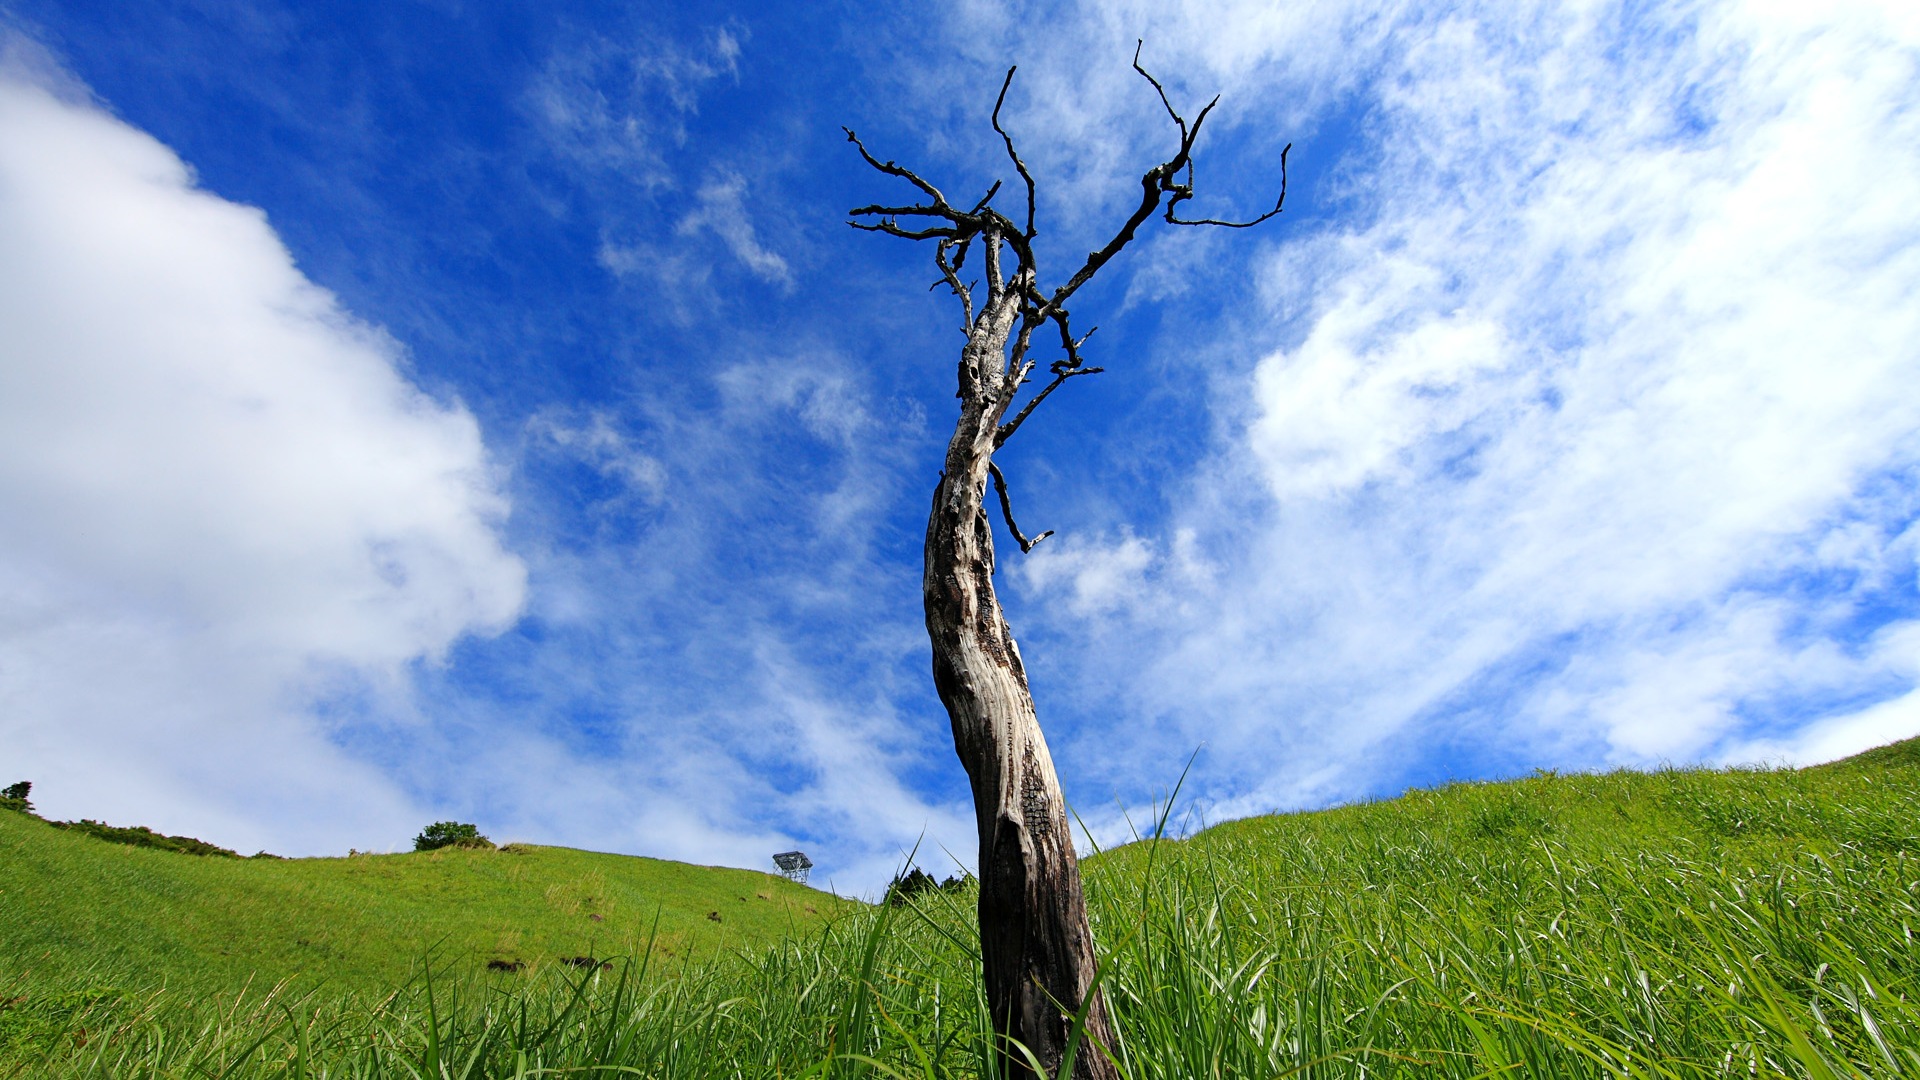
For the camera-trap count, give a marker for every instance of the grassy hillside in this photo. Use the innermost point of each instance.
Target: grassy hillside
(1673, 924)
(75, 905)
(1678, 923)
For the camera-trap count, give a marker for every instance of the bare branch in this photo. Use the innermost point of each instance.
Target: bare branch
(1150, 190)
(1006, 511)
(916, 210)
(891, 228)
(995, 283)
(1141, 43)
(1186, 193)
(1008, 139)
(1016, 288)
(1060, 374)
(1017, 366)
(1157, 181)
(985, 199)
(952, 279)
(892, 169)
(1068, 343)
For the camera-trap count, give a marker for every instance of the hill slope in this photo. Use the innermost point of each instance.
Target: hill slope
(1865, 802)
(1682, 923)
(74, 904)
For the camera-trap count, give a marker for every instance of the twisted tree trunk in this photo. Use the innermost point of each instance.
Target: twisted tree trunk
(1036, 948)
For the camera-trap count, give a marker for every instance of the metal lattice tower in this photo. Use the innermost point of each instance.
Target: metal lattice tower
(794, 865)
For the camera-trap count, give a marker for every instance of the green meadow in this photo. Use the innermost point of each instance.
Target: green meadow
(78, 909)
(1682, 923)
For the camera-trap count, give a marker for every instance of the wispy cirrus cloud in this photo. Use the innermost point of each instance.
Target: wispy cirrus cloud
(1595, 443)
(618, 111)
(721, 209)
(619, 107)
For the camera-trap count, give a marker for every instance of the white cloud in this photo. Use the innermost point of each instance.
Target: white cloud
(723, 212)
(1559, 436)
(596, 440)
(681, 269)
(618, 111)
(224, 499)
(1096, 577)
(1895, 651)
(619, 106)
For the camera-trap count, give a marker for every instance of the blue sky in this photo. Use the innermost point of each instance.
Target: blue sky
(426, 410)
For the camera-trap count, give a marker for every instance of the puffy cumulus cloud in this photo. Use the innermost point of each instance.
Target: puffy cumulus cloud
(225, 502)
(1595, 442)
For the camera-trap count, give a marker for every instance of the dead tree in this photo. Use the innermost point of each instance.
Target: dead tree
(1036, 950)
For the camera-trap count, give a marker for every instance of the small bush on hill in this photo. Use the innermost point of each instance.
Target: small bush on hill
(457, 834)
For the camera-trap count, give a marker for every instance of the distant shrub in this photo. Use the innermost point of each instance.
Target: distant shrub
(141, 836)
(14, 797)
(906, 886)
(457, 834)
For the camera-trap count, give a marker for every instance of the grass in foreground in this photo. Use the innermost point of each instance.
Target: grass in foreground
(1678, 924)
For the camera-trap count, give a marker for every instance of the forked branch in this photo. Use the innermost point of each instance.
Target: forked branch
(1021, 166)
(1061, 373)
(892, 169)
(1185, 192)
(1006, 511)
(1017, 288)
(949, 273)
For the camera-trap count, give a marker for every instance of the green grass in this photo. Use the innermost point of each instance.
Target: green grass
(1674, 924)
(77, 909)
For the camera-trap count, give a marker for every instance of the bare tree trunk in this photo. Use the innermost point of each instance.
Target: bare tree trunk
(1036, 948)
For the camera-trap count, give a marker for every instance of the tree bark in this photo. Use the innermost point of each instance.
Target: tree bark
(1036, 948)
